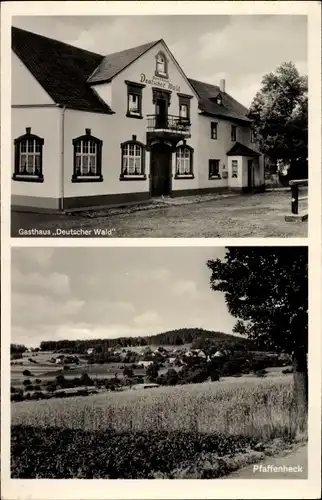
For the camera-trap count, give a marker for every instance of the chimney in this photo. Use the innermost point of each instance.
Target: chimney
(222, 85)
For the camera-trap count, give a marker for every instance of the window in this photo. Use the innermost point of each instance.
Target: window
(213, 130)
(134, 99)
(87, 159)
(219, 99)
(28, 158)
(252, 135)
(183, 111)
(184, 162)
(133, 160)
(234, 168)
(233, 132)
(214, 169)
(184, 107)
(161, 65)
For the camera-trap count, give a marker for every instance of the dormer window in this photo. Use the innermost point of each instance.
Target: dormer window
(219, 99)
(161, 65)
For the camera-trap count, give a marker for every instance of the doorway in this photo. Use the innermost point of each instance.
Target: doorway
(250, 172)
(161, 157)
(161, 113)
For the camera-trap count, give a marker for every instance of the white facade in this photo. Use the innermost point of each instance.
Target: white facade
(34, 112)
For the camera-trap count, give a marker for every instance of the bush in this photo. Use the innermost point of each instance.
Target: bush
(215, 376)
(128, 372)
(16, 397)
(26, 382)
(261, 373)
(287, 370)
(86, 380)
(16, 355)
(27, 373)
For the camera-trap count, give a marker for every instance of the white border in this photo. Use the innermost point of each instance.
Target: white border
(170, 489)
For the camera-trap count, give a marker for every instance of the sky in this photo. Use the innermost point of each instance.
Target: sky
(86, 293)
(241, 48)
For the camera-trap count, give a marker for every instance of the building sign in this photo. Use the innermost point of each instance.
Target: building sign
(158, 82)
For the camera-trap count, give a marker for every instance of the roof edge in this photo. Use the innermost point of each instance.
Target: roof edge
(120, 71)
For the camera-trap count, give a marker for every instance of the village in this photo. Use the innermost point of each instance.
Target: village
(62, 373)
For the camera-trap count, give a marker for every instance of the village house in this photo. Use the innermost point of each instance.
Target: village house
(91, 130)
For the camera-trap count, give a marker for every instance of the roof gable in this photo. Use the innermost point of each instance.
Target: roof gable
(239, 149)
(61, 69)
(112, 64)
(230, 108)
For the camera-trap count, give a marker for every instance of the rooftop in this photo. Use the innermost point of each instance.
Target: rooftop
(66, 74)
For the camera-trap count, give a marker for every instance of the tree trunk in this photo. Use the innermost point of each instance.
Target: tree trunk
(300, 377)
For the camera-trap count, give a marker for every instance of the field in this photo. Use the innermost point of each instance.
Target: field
(202, 430)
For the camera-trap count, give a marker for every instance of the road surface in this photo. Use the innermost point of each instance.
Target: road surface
(256, 215)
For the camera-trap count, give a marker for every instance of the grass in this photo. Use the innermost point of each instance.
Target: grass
(202, 431)
(257, 408)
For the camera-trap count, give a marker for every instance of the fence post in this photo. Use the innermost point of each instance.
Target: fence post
(295, 198)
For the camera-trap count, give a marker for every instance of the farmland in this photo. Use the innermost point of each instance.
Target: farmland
(198, 430)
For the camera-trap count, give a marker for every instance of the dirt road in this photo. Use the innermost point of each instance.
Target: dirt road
(259, 215)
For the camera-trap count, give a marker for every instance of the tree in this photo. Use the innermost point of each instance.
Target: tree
(152, 372)
(17, 348)
(280, 114)
(27, 373)
(128, 372)
(266, 289)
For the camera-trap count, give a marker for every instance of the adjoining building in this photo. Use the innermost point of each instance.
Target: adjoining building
(90, 130)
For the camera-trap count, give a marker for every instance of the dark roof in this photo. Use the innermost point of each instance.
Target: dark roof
(62, 70)
(239, 149)
(230, 108)
(66, 72)
(113, 64)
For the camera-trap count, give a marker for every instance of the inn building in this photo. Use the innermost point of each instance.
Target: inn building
(92, 130)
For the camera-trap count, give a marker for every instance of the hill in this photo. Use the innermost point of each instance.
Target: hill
(190, 335)
(172, 337)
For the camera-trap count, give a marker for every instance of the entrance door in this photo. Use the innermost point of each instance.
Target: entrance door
(250, 175)
(161, 108)
(160, 169)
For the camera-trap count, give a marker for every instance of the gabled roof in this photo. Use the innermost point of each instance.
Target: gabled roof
(239, 149)
(230, 108)
(66, 73)
(113, 64)
(61, 69)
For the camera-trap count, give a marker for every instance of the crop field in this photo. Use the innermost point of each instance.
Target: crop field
(162, 432)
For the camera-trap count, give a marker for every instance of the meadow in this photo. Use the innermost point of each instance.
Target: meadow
(195, 430)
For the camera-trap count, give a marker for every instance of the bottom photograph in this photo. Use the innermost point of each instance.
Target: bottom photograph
(159, 362)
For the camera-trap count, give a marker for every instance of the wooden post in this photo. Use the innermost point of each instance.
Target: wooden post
(295, 198)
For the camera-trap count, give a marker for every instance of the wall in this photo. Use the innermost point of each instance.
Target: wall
(125, 127)
(104, 128)
(24, 87)
(44, 122)
(217, 148)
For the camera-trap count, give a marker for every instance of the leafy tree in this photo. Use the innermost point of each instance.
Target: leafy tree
(280, 113)
(171, 377)
(152, 372)
(17, 348)
(266, 289)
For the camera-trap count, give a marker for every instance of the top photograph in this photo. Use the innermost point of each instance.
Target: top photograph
(159, 126)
